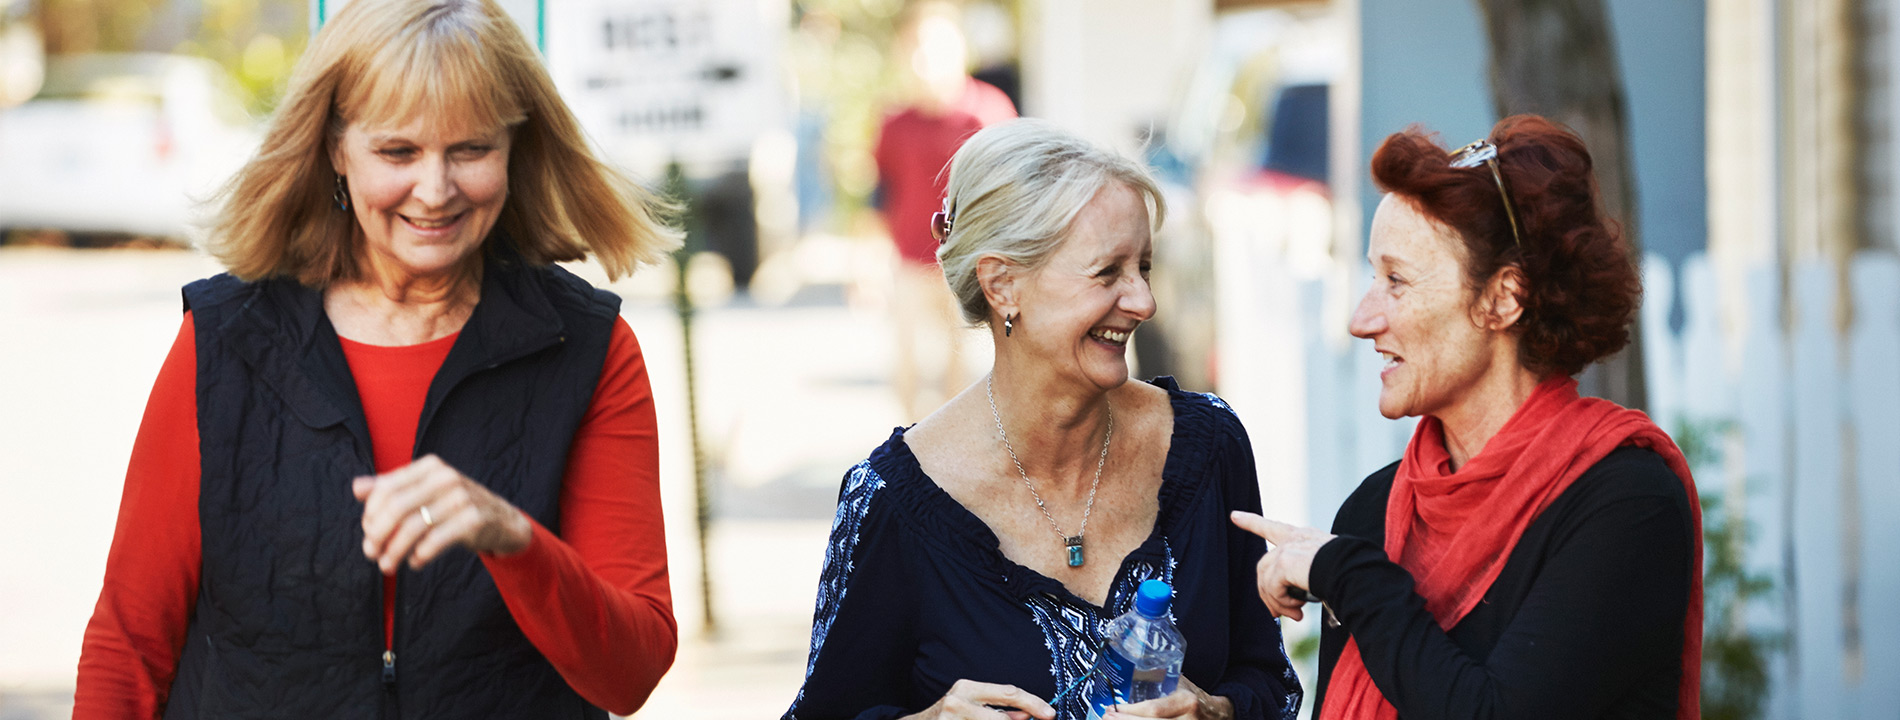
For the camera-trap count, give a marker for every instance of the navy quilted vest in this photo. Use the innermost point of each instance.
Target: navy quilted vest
(289, 614)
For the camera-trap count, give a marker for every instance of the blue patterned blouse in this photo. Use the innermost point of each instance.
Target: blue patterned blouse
(916, 595)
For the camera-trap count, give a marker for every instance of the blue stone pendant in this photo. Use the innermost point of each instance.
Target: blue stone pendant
(1074, 544)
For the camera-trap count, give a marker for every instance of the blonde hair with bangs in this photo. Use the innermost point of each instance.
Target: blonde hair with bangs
(384, 62)
(1014, 190)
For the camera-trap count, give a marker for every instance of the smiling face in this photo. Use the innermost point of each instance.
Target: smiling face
(1418, 314)
(1079, 309)
(424, 194)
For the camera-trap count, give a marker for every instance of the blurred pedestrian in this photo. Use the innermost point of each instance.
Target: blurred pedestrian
(914, 147)
(397, 463)
(1534, 554)
(811, 50)
(968, 567)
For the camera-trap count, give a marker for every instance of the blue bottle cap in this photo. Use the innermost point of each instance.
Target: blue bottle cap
(1153, 597)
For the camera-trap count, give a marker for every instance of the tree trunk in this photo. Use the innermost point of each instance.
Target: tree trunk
(1556, 58)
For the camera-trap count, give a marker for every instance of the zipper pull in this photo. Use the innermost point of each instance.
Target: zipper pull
(389, 667)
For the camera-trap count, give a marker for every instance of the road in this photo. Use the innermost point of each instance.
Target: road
(789, 397)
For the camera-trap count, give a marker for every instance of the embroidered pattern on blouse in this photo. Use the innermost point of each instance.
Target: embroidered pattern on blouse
(1290, 702)
(860, 485)
(1074, 632)
(1289, 681)
(1219, 403)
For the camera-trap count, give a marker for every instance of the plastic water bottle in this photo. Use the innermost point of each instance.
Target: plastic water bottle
(1142, 658)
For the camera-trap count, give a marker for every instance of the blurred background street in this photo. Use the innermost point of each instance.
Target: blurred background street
(1747, 146)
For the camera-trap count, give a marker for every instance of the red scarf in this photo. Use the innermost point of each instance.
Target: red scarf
(1454, 530)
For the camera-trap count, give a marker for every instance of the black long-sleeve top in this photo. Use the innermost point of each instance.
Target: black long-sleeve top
(1584, 621)
(915, 593)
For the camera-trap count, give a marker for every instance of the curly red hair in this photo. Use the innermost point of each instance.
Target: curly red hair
(1582, 288)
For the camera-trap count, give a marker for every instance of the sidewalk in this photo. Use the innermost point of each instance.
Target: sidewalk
(789, 398)
(752, 666)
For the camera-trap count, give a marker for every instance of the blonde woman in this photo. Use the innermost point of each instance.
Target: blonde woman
(978, 555)
(397, 464)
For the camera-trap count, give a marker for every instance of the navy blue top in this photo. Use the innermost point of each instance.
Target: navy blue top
(1584, 621)
(916, 594)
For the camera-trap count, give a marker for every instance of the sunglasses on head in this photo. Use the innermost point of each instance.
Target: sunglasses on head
(1482, 152)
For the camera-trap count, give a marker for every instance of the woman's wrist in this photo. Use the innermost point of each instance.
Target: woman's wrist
(1321, 576)
(1212, 707)
(523, 533)
(517, 534)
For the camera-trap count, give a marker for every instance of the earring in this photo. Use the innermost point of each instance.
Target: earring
(1009, 325)
(341, 195)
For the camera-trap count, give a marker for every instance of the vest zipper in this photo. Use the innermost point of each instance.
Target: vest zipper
(389, 645)
(394, 704)
(389, 649)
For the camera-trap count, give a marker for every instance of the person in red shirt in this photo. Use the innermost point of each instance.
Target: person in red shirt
(914, 147)
(397, 463)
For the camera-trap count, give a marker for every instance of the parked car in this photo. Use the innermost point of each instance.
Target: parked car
(121, 144)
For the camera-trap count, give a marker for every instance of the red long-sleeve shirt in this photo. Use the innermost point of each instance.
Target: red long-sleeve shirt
(595, 600)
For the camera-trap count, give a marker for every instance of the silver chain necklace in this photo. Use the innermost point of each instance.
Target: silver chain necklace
(1072, 542)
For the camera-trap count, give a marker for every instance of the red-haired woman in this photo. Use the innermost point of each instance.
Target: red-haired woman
(1534, 554)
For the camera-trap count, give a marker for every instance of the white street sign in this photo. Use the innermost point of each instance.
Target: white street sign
(656, 80)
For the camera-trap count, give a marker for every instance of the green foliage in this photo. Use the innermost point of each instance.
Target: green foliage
(70, 27)
(256, 41)
(1735, 657)
(1305, 650)
(676, 209)
(1701, 440)
(841, 53)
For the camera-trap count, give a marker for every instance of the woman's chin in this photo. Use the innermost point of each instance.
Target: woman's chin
(1109, 378)
(1392, 408)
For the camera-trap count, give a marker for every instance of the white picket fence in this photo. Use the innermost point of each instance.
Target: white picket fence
(1811, 456)
(1815, 458)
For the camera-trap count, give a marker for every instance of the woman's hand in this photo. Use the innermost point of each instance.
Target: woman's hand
(1287, 564)
(415, 512)
(973, 700)
(1187, 702)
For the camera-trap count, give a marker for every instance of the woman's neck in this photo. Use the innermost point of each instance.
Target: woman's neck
(1482, 410)
(1056, 429)
(390, 307)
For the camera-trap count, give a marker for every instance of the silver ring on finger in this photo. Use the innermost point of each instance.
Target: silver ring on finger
(428, 519)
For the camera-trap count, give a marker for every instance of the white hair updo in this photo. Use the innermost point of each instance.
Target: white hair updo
(1015, 187)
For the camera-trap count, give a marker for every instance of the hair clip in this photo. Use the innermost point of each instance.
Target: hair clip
(940, 223)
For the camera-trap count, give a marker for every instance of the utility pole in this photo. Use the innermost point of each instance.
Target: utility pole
(677, 192)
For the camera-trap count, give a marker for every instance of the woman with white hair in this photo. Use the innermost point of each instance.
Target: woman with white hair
(978, 556)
